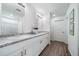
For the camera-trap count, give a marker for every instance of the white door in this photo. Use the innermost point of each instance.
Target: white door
(59, 30)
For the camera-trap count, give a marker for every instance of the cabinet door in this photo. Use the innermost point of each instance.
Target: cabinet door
(33, 47)
(36, 46)
(19, 52)
(43, 42)
(46, 39)
(15, 53)
(13, 49)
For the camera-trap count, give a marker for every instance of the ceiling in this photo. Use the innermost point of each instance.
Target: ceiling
(59, 9)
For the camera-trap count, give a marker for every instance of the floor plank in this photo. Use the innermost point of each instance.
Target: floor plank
(56, 49)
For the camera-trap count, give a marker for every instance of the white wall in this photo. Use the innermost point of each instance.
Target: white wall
(0, 7)
(20, 25)
(52, 29)
(29, 20)
(78, 30)
(0, 16)
(73, 40)
(66, 28)
(44, 23)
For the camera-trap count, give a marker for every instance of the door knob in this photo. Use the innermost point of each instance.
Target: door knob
(40, 42)
(62, 32)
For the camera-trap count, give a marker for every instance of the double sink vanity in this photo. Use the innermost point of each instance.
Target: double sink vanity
(24, 45)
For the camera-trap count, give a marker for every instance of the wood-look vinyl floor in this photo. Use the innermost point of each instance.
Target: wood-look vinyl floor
(56, 49)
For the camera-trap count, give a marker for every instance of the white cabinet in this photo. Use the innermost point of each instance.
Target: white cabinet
(7, 50)
(31, 47)
(36, 45)
(19, 52)
(15, 53)
(43, 42)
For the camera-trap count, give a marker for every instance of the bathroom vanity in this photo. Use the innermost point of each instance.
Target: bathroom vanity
(24, 45)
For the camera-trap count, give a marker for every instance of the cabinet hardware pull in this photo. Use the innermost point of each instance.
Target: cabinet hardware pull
(25, 51)
(21, 53)
(40, 42)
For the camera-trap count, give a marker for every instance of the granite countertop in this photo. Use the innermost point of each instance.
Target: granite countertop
(5, 41)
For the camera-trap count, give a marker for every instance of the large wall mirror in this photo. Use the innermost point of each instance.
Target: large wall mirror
(9, 19)
(71, 23)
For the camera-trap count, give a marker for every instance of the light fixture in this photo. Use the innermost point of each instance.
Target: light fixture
(18, 10)
(54, 15)
(21, 4)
